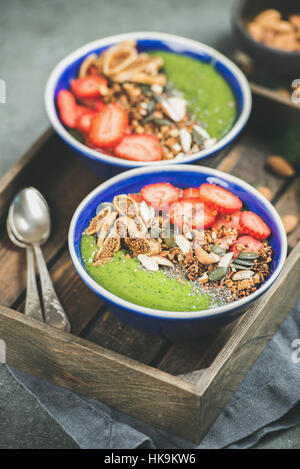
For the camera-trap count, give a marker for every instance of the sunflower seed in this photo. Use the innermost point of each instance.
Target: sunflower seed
(226, 260)
(163, 261)
(243, 275)
(145, 212)
(185, 140)
(148, 262)
(174, 107)
(183, 244)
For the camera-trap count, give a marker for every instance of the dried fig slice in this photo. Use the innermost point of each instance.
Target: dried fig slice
(97, 221)
(84, 67)
(150, 247)
(119, 57)
(142, 228)
(109, 248)
(129, 227)
(126, 206)
(105, 227)
(143, 70)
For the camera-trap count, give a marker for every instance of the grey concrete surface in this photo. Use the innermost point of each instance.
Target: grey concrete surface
(34, 35)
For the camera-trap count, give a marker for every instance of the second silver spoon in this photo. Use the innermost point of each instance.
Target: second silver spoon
(29, 219)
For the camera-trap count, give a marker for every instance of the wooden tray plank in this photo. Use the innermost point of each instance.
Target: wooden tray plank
(63, 171)
(95, 372)
(192, 356)
(289, 203)
(80, 303)
(248, 339)
(248, 162)
(128, 341)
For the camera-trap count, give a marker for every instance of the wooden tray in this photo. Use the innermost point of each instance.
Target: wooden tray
(180, 388)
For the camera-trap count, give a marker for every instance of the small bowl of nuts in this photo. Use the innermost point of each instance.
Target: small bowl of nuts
(269, 31)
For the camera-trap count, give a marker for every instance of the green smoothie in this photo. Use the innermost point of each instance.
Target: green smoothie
(210, 98)
(126, 279)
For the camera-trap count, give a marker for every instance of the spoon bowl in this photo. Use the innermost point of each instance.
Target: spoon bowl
(29, 223)
(29, 217)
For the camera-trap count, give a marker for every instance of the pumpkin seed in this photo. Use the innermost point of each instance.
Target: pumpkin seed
(218, 273)
(170, 242)
(248, 255)
(218, 250)
(162, 122)
(238, 267)
(169, 235)
(151, 106)
(244, 262)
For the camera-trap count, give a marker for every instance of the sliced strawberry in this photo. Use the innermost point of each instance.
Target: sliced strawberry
(109, 126)
(193, 213)
(231, 220)
(191, 193)
(95, 104)
(67, 108)
(253, 225)
(219, 198)
(88, 86)
(137, 197)
(93, 70)
(84, 119)
(140, 147)
(161, 195)
(99, 105)
(251, 245)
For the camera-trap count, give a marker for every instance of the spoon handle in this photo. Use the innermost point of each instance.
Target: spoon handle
(32, 303)
(53, 310)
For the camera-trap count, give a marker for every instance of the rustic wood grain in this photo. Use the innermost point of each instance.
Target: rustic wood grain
(248, 339)
(88, 369)
(289, 204)
(64, 182)
(79, 302)
(114, 335)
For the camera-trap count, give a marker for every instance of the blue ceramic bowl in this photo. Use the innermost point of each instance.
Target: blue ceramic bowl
(175, 325)
(68, 68)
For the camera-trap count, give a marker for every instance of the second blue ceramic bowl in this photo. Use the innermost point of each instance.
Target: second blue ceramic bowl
(176, 325)
(107, 165)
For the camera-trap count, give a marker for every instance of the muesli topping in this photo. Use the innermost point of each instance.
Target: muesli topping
(221, 258)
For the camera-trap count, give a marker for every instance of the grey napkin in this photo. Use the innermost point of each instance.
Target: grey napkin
(268, 400)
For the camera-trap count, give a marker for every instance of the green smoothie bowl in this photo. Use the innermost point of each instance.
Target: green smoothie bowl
(177, 251)
(141, 99)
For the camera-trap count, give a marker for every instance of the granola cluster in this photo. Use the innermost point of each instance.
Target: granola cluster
(123, 104)
(147, 115)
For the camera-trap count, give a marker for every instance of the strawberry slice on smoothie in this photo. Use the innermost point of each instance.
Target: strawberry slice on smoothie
(139, 147)
(219, 198)
(161, 195)
(109, 126)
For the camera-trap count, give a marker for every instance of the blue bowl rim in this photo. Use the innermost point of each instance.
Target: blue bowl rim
(205, 314)
(189, 43)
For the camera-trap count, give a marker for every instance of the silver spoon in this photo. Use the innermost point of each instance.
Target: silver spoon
(29, 220)
(32, 303)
